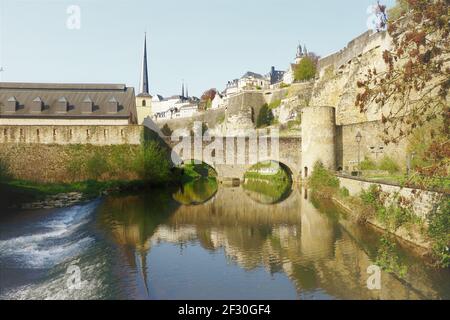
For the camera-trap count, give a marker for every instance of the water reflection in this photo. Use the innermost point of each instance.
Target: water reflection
(178, 249)
(196, 191)
(268, 182)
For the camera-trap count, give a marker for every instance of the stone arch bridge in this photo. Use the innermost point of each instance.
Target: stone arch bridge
(231, 157)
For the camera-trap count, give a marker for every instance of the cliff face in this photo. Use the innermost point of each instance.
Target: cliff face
(338, 75)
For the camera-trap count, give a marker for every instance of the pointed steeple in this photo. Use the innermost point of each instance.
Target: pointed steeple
(305, 51)
(182, 89)
(187, 91)
(144, 72)
(299, 51)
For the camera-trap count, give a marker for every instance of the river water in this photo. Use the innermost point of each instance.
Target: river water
(201, 243)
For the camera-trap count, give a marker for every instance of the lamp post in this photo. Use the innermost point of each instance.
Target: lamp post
(358, 140)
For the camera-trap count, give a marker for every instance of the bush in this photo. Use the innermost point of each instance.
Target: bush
(344, 192)
(372, 196)
(275, 104)
(321, 179)
(388, 164)
(4, 171)
(284, 85)
(368, 164)
(96, 166)
(265, 117)
(305, 70)
(438, 230)
(152, 163)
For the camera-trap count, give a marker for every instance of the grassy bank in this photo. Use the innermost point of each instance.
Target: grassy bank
(393, 214)
(92, 171)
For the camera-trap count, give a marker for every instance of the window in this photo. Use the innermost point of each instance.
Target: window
(144, 103)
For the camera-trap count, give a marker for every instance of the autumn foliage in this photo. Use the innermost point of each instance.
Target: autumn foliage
(413, 90)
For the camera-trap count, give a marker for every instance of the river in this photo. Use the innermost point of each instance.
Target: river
(201, 242)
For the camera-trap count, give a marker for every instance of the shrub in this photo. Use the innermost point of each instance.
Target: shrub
(152, 163)
(368, 164)
(275, 104)
(305, 70)
(344, 192)
(372, 196)
(265, 117)
(438, 230)
(284, 85)
(4, 171)
(96, 166)
(321, 179)
(388, 164)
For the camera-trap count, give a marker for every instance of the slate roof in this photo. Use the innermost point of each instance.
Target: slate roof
(101, 95)
(250, 74)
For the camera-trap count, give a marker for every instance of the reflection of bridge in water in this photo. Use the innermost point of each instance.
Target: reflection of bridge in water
(292, 237)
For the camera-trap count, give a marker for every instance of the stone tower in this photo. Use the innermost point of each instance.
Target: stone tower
(318, 138)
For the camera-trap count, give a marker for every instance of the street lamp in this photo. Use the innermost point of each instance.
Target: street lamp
(358, 140)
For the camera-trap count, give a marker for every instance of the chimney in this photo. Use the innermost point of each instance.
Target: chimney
(12, 105)
(37, 105)
(62, 105)
(87, 105)
(113, 105)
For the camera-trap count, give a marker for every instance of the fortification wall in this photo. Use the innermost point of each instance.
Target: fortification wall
(211, 118)
(371, 146)
(338, 74)
(65, 135)
(53, 163)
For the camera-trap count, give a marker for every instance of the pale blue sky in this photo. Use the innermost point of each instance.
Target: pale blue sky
(205, 42)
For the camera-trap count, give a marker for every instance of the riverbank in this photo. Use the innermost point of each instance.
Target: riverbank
(414, 218)
(29, 195)
(20, 194)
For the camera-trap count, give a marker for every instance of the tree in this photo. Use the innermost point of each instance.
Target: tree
(305, 69)
(207, 98)
(166, 130)
(413, 89)
(265, 117)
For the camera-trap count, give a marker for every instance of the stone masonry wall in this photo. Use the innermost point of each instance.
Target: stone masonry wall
(64, 135)
(371, 146)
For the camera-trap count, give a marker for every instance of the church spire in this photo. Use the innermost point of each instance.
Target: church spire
(182, 89)
(144, 71)
(187, 91)
(299, 51)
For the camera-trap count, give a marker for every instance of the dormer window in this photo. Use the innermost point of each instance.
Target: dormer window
(37, 105)
(12, 105)
(87, 106)
(62, 105)
(113, 105)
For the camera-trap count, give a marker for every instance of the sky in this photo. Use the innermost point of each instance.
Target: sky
(204, 42)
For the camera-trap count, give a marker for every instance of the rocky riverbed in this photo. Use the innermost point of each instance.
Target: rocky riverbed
(61, 200)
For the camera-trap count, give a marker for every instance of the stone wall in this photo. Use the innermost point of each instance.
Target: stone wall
(422, 201)
(51, 163)
(211, 118)
(339, 73)
(371, 146)
(64, 135)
